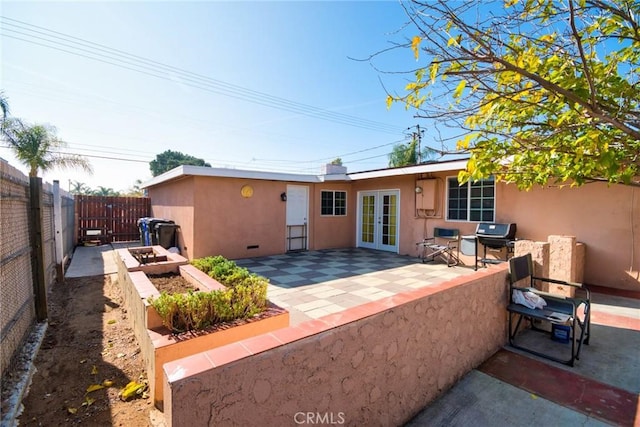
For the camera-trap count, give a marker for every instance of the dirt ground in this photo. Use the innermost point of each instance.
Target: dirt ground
(88, 342)
(171, 283)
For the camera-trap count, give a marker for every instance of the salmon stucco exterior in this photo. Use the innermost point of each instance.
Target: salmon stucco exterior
(240, 213)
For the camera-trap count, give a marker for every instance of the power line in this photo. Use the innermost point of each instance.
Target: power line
(149, 67)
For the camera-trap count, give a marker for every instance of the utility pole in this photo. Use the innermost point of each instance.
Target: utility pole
(417, 134)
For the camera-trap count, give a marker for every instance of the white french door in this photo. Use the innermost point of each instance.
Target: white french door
(378, 220)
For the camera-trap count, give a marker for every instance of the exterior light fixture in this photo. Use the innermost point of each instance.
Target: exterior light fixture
(418, 190)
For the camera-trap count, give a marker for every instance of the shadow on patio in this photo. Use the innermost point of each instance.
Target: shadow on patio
(317, 283)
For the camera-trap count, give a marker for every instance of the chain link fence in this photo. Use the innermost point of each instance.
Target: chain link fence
(17, 298)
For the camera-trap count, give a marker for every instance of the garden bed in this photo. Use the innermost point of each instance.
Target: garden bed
(160, 345)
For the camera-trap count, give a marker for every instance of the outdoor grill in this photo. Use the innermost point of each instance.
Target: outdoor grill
(495, 236)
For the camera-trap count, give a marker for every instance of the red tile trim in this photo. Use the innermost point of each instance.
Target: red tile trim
(226, 354)
(587, 396)
(290, 334)
(260, 343)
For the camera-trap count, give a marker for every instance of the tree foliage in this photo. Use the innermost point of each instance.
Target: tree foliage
(171, 159)
(543, 89)
(38, 147)
(409, 154)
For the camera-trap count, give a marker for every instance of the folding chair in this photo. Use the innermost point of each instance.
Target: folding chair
(561, 311)
(441, 245)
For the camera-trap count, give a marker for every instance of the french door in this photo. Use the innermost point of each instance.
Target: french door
(378, 220)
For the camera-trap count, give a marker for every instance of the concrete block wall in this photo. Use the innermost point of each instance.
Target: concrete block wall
(375, 364)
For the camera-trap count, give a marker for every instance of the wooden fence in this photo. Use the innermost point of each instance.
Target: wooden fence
(108, 219)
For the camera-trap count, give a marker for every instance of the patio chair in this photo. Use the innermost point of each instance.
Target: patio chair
(442, 245)
(569, 318)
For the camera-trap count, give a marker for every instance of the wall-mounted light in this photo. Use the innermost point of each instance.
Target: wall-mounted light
(418, 190)
(283, 197)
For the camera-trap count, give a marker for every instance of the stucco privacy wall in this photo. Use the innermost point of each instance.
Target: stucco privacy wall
(378, 364)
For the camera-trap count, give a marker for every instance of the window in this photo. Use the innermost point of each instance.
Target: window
(473, 201)
(333, 203)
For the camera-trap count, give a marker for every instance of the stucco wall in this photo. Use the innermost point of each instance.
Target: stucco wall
(330, 232)
(175, 201)
(605, 218)
(378, 370)
(227, 223)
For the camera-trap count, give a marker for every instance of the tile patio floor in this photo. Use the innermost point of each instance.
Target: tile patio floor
(317, 283)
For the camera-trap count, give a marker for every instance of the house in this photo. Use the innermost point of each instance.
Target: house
(243, 213)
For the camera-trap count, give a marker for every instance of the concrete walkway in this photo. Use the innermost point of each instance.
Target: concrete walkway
(514, 388)
(95, 260)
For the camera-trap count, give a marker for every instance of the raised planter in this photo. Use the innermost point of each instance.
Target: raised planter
(156, 259)
(158, 345)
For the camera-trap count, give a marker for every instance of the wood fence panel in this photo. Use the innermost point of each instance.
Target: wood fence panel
(107, 219)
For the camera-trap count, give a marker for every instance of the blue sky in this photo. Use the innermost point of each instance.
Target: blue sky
(293, 54)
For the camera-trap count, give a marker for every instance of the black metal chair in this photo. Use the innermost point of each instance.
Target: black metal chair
(566, 313)
(442, 245)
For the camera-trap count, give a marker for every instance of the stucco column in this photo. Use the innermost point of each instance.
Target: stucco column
(562, 263)
(540, 255)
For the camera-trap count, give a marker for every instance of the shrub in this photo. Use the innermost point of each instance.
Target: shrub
(244, 297)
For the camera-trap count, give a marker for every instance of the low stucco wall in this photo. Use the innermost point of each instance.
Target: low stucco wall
(389, 360)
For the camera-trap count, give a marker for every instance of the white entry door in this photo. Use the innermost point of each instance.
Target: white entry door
(297, 213)
(378, 215)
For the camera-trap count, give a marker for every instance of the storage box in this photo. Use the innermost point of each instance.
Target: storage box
(560, 333)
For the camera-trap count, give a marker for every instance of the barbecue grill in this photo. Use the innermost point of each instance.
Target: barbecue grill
(495, 236)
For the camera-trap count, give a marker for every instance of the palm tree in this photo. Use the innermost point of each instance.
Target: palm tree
(404, 154)
(36, 146)
(78, 187)
(4, 106)
(105, 191)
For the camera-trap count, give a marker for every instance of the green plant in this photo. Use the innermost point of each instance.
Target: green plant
(244, 297)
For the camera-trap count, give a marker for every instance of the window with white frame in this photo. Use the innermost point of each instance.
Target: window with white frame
(333, 203)
(471, 201)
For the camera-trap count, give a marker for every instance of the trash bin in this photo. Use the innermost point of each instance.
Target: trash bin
(165, 234)
(147, 226)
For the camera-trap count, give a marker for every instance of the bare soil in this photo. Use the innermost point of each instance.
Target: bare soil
(89, 341)
(171, 283)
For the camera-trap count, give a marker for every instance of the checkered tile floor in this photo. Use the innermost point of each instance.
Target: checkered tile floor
(317, 283)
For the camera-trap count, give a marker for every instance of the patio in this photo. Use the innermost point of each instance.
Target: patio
(317, 283)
